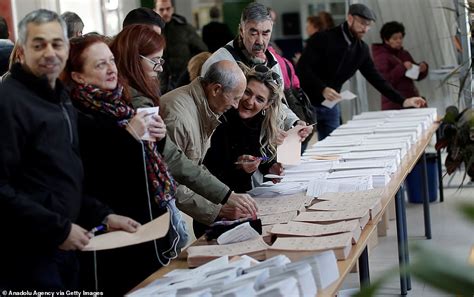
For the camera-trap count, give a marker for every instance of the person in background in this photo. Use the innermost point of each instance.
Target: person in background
(144, 15)
(6, 46)
(216, 34)
(182, 43)
(332, 57)
(125, 172)
(193, 70)
(74, 23)
(313, 25)
(393, 61)
(41, 172)
(327, 22)
(191, 114)
(249, 133)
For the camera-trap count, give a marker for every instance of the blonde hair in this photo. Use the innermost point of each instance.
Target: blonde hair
(195, 64)
(274, 115)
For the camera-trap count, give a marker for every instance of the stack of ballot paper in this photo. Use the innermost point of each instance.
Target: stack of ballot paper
(303, 229)
(380, 176)
(269, 189)
(374, 204)
(325, 217)
(297, 248)
(317, 187)
(280, 204)
(389, 165)
(198, 255)
(369, 194)
(244, 276)
(277, 218)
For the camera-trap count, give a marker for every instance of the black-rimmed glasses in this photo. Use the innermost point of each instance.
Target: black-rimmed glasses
(156, 64)
(267, 74)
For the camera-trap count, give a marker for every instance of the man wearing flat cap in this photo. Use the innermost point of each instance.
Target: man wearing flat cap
(332, 57)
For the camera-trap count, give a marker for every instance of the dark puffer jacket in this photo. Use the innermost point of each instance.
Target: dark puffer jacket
(389, 63)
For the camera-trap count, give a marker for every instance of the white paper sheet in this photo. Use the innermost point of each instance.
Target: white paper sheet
(413, 72)
(345, 95)
(149, 112)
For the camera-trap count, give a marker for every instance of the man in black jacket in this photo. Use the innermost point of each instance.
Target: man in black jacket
(332, 57)
(182, 43)
(41, 174)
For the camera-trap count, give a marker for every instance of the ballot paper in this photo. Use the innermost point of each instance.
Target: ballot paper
(289, 152)
(153, 230)
(149, 112)
(345, 95)
(413, 72)
(239, 233)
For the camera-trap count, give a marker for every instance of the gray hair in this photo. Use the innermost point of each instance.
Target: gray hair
(40, 16)
(74, 23)
(255, 12)
(227, 77)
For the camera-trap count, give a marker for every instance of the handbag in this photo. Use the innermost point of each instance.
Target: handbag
(298, 101)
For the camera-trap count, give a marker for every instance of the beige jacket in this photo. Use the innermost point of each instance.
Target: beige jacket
(190, 123)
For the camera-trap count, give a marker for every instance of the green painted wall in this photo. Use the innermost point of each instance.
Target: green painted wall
(147, 3)
(231, 12)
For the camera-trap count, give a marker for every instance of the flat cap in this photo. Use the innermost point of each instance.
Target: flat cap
(143, 15)
(362, 11)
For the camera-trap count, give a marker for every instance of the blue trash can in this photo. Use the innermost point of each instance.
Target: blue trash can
(414, 180)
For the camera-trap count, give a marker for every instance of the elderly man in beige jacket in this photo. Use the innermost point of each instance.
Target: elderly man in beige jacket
(191, 114)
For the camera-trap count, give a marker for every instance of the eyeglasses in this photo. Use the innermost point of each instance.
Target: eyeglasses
(365, 23)
(156, 64)
(267, 74)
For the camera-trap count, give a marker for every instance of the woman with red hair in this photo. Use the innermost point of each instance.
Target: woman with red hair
(124, 171)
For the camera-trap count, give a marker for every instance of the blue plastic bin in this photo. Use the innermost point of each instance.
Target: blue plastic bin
(414, 180)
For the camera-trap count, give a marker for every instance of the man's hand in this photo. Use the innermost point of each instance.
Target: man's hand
(233, 213)
(244, 202)
(77, 239)
(414, 102)
(305, 131)
(331, 94)
(116, 222)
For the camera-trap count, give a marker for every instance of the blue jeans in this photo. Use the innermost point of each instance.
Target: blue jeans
(328, 120)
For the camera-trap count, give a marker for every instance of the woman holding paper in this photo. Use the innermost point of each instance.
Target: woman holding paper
(393, 62)
(247, 138)
(121, 170)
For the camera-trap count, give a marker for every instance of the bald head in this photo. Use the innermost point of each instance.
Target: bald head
(224, 85)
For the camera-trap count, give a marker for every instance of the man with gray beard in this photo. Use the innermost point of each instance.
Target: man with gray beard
(251, 48)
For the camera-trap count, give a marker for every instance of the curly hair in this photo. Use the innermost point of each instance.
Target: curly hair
(390, 28)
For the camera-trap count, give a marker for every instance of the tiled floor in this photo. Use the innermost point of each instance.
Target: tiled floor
(450, 231)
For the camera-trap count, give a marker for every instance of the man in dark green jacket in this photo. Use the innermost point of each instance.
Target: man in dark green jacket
(182, 43)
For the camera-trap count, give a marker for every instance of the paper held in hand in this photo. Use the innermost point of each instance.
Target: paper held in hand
(289, 152)
(413, 72)
(345, 95)
(150, 231)
(149, 112)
